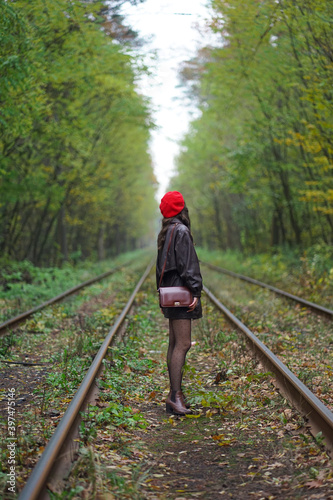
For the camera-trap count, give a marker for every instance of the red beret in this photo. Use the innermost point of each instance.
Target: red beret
(172, 204)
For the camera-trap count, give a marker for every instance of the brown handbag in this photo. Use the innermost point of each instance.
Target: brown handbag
(173, 296)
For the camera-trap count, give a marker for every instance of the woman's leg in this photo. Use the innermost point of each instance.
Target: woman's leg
(179, 344)
(172, 342)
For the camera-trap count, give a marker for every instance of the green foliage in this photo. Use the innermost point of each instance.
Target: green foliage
(256, 167)
(278, 264)
(24, 286)
(70, 372)
(115, 414)
(308, 274)
(76, 177)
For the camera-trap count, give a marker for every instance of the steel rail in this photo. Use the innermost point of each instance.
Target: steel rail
(315, 412)
(306, 303)
(55, 451)
(58, 298)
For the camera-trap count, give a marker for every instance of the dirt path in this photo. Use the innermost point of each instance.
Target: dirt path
(257, 452)
(242, 440)
(188, 463)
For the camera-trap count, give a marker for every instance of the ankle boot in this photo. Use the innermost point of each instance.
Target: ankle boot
(184, 398)
(177, 407)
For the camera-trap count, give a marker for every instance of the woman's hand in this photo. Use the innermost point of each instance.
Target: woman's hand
(193, 305)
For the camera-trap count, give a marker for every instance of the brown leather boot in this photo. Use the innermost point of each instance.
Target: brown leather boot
(177, 407)
(184, 398)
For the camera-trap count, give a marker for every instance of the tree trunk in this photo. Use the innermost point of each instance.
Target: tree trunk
(63, 234)
(100, 244)
(218, 223)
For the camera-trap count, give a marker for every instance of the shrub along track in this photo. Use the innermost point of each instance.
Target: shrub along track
(243, 440)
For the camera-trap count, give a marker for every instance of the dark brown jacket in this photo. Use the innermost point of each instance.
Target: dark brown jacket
(182, 265)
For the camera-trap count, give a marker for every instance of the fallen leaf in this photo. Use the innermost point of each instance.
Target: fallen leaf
(314, 484)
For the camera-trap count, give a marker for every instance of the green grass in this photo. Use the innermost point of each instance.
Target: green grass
(23, 286)
(308, 274)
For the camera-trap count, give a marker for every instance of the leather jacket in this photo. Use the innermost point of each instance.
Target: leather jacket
(182, 265)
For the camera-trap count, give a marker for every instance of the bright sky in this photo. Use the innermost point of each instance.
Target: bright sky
(170, 28)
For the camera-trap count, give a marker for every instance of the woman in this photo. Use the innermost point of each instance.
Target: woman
(181, 269)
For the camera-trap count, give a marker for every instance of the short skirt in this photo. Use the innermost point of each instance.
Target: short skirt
(182, 313)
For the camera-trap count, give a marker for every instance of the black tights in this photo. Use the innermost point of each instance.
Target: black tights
(179, 344)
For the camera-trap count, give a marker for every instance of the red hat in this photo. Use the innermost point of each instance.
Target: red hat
(172, 204)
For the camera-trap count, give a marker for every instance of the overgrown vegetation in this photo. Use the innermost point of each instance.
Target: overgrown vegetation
(65, 337)
(300, 337)
(129, 447)
(76, 178)
(256, 166)
(23, 285)
(307, 273)
(240, 422)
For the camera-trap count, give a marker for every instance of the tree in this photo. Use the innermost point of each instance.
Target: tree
(262, 148)
(74, 134)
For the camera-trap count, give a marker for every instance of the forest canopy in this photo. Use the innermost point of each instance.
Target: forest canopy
(256, 166)
(76, 178)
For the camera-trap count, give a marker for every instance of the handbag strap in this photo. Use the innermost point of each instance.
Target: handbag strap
(163, 269)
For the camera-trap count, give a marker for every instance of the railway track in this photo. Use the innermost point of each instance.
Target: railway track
(310, 407)
(318, 415)
(61, 447)
(6, 325)
(299, 334)
(316, 307)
